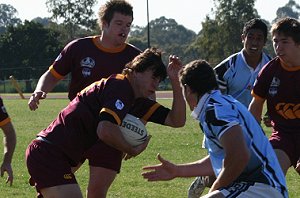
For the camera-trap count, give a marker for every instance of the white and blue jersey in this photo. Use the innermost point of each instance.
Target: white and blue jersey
(236, 78)
(217, 113)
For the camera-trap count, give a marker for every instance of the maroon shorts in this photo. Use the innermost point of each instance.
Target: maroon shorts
(47, 166)
(105, 156)
(289, 143)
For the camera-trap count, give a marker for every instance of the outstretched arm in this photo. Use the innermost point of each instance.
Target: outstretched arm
(168, 171)
(46, 83)
(176, 117)
(237, 156)
(9, 141)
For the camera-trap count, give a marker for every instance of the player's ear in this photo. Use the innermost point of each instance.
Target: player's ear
(243, 36)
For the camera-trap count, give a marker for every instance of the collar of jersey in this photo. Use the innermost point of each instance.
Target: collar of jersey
(201, 104)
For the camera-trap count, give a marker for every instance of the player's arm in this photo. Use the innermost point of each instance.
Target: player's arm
(256, 107)
(167, 170)
(237, 156)
(9, 141)
(109, 132)
(45, 84)
(176, 117)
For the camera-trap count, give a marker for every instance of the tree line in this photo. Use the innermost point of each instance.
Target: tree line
(28, 48)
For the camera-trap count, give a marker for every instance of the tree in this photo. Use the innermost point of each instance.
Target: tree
(165, 34)
(27, 50)
(8, 17)
(73, 13)
(221, 36)
(291, 9)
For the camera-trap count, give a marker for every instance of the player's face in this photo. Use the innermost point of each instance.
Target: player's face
(286, 48)
(145, 83)
(254, 42)
(118, 29)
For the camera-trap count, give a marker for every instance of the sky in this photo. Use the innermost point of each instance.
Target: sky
(189, 13)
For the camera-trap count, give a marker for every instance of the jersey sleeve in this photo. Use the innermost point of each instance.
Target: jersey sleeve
(149, 111)
(117, 99)
(4, 117)
(220, 118)
(62, 65)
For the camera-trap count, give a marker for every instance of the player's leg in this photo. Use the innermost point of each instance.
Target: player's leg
(283, 159)
(284, 144)
(62, 191)
(105, 163)
(100, 181)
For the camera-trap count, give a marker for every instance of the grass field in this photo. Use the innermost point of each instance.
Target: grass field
(178, 145)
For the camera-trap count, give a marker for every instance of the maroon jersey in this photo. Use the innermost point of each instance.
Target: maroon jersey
(149, 111)
(75, 128)
(279, 85)
(4, 118)
(88, 61)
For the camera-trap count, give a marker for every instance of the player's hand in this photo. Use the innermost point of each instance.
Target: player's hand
(174, 67)
(160, 172)
(35, 98)
(7, 168)
(138, 149)
(267, 121)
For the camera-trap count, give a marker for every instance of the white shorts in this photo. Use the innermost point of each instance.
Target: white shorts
(250, 190)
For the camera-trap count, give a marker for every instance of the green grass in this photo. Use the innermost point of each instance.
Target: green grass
(178, 145)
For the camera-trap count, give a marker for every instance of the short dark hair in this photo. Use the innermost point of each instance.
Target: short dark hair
(150, 59)
(256, 23)
(289, 27)
(199, 76)
(106, 11)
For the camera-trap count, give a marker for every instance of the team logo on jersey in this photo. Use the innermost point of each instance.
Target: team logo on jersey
(274, 86)
(119, 104)
(58, 57)
(68, 176)
(87, 64)
(288, 110)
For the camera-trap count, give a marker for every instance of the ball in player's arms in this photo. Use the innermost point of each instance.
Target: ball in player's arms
(133, 130)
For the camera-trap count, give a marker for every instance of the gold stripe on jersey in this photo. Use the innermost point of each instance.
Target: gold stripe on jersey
(96, 40)
(289, 68)
(54, 73)
(112, 113)
(150, 112)
(5, 121)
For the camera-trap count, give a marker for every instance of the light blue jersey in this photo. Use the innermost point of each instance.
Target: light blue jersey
(217, 113)
(236, 78)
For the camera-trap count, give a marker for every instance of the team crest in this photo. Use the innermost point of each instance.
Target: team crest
(87, 65)
(274, 86)
(119, 104)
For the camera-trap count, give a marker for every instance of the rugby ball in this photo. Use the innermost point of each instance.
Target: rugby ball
(133, 130)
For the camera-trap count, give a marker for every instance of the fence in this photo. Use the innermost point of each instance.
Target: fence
(28, 86)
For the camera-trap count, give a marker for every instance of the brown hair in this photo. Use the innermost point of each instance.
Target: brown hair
(106, 11)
